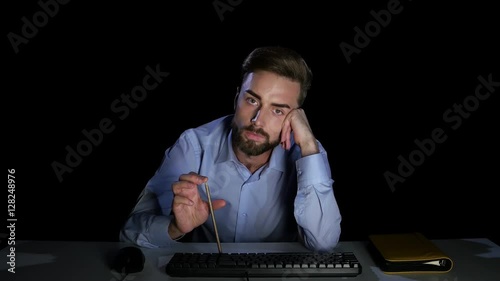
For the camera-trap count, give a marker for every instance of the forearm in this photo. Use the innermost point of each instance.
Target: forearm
(151, 223)
(147, 230)
(318, 216)
(147, 225)
(316, 209)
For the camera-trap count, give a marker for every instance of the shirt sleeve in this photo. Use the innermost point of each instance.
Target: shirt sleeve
(316, 209)
(147, 224)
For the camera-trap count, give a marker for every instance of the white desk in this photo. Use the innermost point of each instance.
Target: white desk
(474, 260)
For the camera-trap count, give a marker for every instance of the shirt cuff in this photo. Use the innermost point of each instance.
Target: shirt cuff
(312, 170)
(159, 231)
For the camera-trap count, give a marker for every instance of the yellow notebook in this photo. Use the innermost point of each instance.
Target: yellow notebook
(408, 253)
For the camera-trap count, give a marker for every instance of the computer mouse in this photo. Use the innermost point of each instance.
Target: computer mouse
(129, 260)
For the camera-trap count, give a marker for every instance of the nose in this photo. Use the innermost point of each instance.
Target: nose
(255, 118)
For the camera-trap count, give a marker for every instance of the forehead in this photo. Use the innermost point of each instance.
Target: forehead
(270, 86)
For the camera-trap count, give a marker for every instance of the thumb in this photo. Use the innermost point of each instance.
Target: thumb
(218, 203)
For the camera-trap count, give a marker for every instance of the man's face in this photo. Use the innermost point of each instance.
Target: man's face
(263, 102)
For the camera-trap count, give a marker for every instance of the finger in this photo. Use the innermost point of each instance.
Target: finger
(218, 203)
(284, 128)
(288, 129)
(288, 142)
(193, 177)
(285, 134)
(190, 193)
(179, 186)
(181, 200)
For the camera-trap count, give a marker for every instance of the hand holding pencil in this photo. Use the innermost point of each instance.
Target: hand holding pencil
(190, 211)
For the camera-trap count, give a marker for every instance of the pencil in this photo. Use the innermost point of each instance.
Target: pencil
(213, 217)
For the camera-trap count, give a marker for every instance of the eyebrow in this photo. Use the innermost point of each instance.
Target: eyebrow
(274, 104)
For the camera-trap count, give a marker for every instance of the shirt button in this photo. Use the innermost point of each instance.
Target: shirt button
(244, 214)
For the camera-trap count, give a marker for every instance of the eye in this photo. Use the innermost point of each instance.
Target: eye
(252, 101)
(278, 111)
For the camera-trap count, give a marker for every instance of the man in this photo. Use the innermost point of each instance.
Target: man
(269, 178)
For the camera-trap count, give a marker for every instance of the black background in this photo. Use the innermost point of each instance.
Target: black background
(366, 113)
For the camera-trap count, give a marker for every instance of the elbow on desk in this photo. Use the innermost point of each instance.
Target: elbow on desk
(135, 238)
(325, 244)
(127, 237)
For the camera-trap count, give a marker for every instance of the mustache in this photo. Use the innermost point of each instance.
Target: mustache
(252, 129)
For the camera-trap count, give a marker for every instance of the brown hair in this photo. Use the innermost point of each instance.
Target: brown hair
(282, 61)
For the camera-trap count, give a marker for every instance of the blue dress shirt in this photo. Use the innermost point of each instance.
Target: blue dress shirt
(290, 198)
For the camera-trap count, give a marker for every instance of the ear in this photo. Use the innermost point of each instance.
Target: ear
(236, 97)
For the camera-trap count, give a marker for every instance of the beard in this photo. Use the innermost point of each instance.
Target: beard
(249, 147)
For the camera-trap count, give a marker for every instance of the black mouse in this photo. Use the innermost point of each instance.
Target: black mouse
(129, 260)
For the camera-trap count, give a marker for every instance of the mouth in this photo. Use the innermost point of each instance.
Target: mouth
(254, 136)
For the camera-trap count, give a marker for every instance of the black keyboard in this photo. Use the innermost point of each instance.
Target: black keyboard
(301, 264)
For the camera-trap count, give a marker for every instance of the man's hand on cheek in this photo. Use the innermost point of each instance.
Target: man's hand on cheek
(296, 122)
